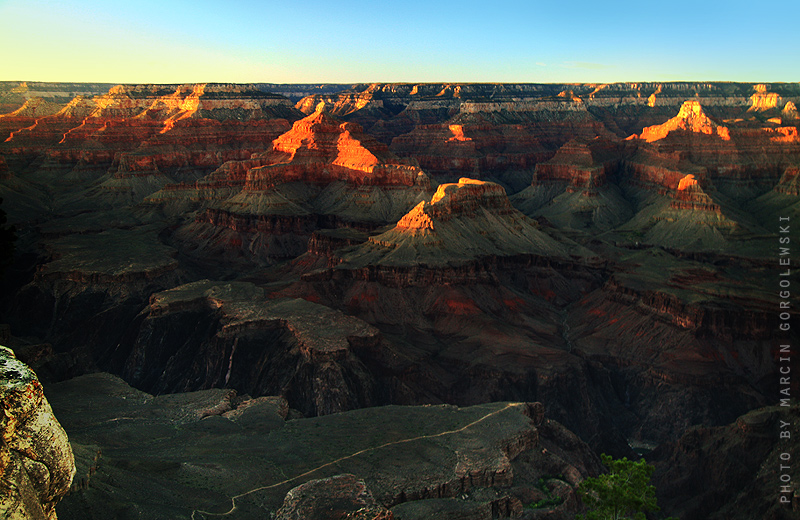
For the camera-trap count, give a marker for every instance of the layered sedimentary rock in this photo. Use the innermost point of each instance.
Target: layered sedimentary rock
(726, 165)
(628, 293)
(306, 352)
(380, 458)
(94, 284)
(742, 159)
(497, 140)
(747, 477)
(690, 118)
(574, 189)
(676, 333)
(185, 131)
(463, 222)
(36, 461)
(322, 173)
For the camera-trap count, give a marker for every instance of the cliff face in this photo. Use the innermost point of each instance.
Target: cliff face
(478, 460)
(185, 131)
(577, 187)
(601, 248)
(690, 118)
(321, 171)
(36, 461)
(306, 352)
(746, 457)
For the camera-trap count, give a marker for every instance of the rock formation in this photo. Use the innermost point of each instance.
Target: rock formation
(603, 248)
(463, 222)
(306, 352)
(322, 173)
(489, 456)
(573, 189)
(746, 459)
(690, 118)
(188, 127)
(36, 461)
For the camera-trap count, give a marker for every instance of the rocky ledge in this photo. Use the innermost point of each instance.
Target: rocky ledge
(36, 461)
(303, 351)
(175, 457)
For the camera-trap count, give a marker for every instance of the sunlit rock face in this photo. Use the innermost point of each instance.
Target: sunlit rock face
(763, 99)
(690, 118)
(185, 130)
(462, 222)
(36, 461)
(602, 248)
(321, 173)
(320, 150)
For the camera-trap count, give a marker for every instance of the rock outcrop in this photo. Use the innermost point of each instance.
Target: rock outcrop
(36, 461)
(185, 131)
(369, 460)
(575, 190)
(463, 222)
(334, 498)
(322, 173)
(690, 118)
(748, 459)
(604, 248)
(310, 354)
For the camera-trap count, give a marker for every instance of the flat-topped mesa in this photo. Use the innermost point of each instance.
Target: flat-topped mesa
(455, 200)
(690, 118)
(465, 197)
(311, 356)
(763, 99)
(463, 225)
(583, 164)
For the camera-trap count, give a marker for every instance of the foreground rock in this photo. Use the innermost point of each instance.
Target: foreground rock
(189, 456)
(36, 461)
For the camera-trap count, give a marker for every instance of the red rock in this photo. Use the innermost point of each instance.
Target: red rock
(690, 118)
(763, 99)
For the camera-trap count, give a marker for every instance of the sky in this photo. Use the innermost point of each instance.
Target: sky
(297, 41)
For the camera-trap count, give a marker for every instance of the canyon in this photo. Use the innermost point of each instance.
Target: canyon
(302, 275)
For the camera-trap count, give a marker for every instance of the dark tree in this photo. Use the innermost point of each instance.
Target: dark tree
(7, 238)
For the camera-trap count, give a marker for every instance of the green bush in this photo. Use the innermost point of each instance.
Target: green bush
(624, 492)
(549, 501)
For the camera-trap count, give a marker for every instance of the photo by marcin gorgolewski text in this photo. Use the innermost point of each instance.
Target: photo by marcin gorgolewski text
(784, 358)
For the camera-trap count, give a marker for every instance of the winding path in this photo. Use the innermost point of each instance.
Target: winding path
(352, 455)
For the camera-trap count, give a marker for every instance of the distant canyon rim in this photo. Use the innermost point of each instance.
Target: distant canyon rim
(509, 279)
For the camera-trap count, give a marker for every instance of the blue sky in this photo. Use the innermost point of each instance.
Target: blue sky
(296, 41)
